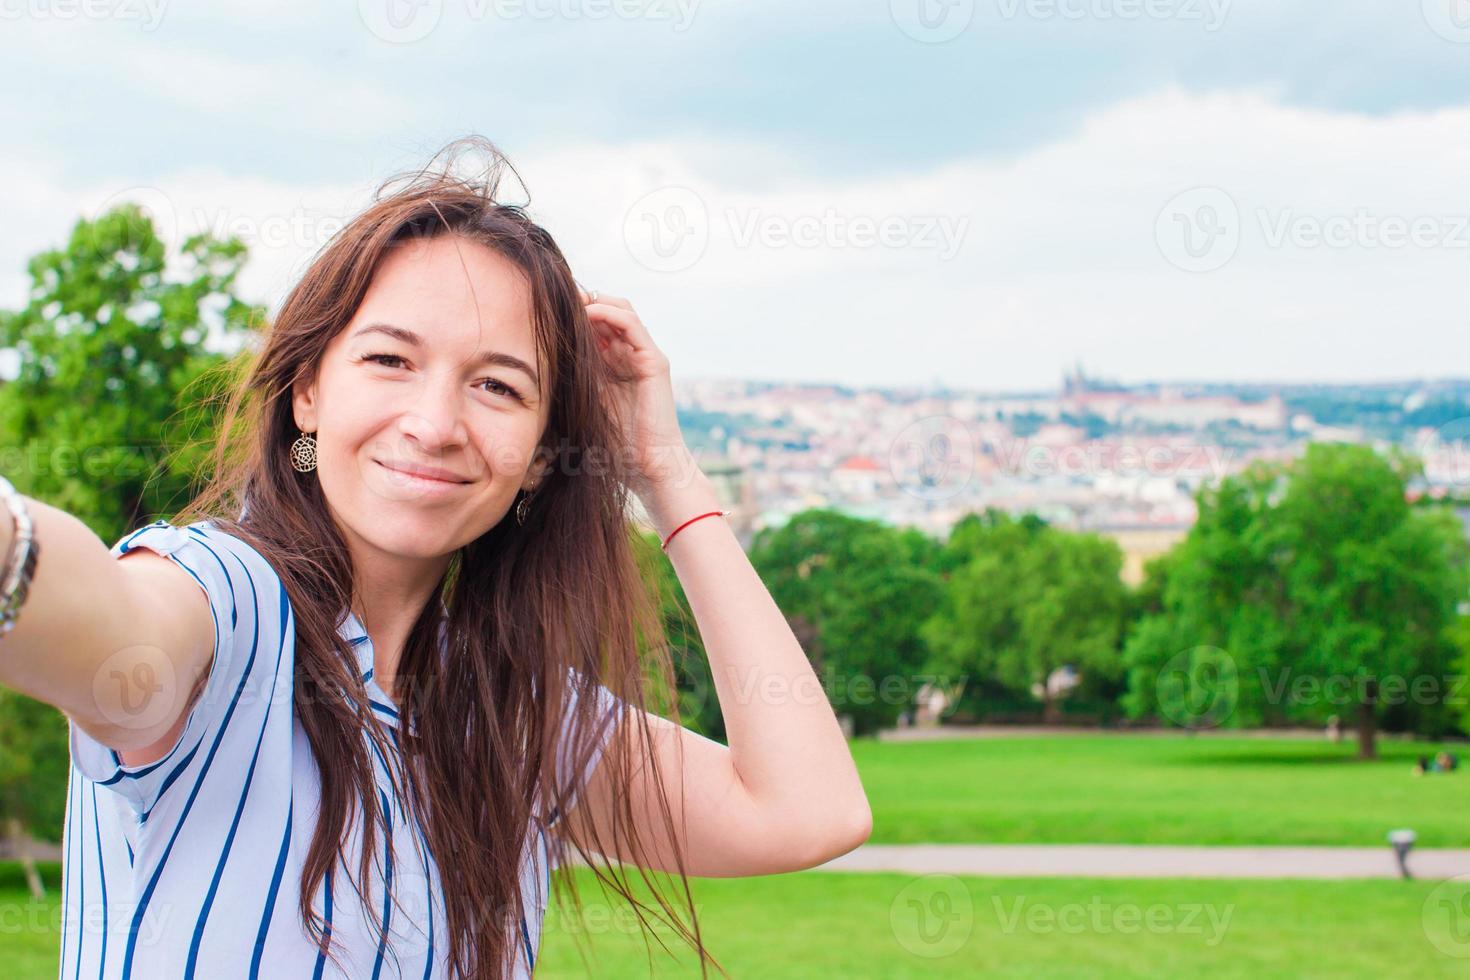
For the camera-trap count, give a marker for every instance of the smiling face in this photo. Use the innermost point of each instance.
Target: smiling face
(437, 373)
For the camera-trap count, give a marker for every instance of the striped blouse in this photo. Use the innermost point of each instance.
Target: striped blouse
(191, 866)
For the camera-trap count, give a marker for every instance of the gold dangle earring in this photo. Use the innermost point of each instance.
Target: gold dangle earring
(303, 453)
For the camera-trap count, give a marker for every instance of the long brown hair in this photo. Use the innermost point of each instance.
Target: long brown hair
(483, 725)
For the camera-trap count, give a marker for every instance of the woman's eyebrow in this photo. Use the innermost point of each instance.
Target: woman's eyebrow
(487, 358)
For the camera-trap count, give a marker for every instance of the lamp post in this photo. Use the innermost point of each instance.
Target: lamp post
(1402, 841)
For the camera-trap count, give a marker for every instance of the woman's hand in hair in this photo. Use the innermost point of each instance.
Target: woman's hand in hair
(642, 394)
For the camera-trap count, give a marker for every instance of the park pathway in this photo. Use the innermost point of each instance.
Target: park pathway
(1148, 861)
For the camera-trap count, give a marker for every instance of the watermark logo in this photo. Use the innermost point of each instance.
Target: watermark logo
(407, 929)
(932, 458)
(295, 228)
(1450, 19)
(148, 12)
(1210, 14)
(932, 916)
(844, 689)
(1199, 230)
(1100, 917)
(941, 234)
(1198, 687)
(105, 462)
(1446, 917)
(1281, 686)
(667, 230)
(151, 920)
(400, 21)
(154, 208)
(932, 21)
(1362, 229)
(410, 21)
(1035, 459)
(135, 687)
(1446, 454)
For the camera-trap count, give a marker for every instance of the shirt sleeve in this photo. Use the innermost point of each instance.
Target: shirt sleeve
(247, 671)
(610, 711)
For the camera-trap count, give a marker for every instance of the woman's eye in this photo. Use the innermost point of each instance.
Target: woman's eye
(499, 387)
(507, 389)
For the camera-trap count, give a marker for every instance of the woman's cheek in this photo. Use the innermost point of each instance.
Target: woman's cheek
(511, 453)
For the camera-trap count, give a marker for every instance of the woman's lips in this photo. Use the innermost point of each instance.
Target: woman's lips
(403, 478)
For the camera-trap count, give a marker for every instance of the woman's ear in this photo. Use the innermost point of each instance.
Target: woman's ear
(303, 406)
(536, 472)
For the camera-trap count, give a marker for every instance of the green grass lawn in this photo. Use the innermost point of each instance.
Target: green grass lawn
(815, 924)
(1143, 789)
(1060, 789)
(29, 931)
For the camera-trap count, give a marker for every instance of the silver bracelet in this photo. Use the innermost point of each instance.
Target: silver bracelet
(20, 560)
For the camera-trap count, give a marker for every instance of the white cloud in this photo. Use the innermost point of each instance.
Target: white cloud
(1057, 258)
(1060, 257)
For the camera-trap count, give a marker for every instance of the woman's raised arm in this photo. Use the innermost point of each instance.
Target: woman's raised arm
(785, 793)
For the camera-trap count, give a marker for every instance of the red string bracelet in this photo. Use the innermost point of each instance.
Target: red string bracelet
(713, 513)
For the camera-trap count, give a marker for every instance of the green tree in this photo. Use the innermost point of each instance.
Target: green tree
(1318, 571)
(855, 592)
(1025, 599)
(108, 344)
(34, 760)
(1375, 585)
(1459, 687)
(699, 707)
(1217, 591)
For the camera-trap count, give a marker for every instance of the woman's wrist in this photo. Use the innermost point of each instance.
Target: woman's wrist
(7, 537)
(19, 554)
(671, 504)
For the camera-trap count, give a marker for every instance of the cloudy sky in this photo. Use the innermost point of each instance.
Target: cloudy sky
(978, 193)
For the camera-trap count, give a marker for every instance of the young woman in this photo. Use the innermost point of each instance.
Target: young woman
(349, 730)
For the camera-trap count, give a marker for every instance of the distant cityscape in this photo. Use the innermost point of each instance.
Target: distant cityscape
(1121, 460)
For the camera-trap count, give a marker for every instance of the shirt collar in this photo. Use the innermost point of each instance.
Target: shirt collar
(356, 635)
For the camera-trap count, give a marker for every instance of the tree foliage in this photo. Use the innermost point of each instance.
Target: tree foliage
(113, 370)
(108, 417)
(1302, 590)
(855, 592)
(1025, 599)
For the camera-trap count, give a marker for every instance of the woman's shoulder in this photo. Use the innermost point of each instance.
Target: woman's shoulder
(167, 537)
(230, 569)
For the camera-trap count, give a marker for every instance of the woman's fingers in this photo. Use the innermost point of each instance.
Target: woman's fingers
(603, 298)
(623, 322)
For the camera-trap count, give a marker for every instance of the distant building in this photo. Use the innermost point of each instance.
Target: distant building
(1082, 395)
(858, 476)
(734, 492)
(1142, 544)
(1194, 413)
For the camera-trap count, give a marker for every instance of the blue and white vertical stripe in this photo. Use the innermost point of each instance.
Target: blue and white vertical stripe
(190, 866)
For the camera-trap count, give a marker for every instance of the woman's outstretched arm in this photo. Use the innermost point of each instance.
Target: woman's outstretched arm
(117, 645)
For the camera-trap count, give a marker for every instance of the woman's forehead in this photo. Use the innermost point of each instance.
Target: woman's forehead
(454, 296)
(451, 277)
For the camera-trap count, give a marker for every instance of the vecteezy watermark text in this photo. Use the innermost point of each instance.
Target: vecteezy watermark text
(1098, 916)
(1209, 13)
(148, 12)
